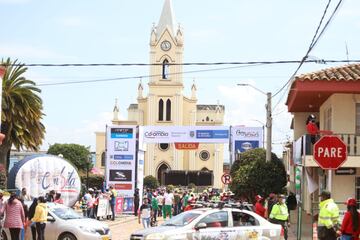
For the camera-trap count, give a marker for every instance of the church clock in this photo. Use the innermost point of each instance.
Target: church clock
(165, 45)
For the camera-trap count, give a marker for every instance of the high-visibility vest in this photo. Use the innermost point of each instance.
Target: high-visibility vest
(279, 212)
(329, 213)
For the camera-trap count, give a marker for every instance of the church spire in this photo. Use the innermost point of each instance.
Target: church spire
(116, 111)
(140, 89)
(193, 91)
(167, 19)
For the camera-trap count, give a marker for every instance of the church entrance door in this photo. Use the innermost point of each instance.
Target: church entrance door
(161, 173)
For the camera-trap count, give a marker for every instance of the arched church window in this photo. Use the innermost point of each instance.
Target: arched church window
(165, 69)
(168, 110)
(207, 119)
(161, 110)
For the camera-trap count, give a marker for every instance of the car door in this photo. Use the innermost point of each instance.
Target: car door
(217, 227)
(51, 229)
(248, 226)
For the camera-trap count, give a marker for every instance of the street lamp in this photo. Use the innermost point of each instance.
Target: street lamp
(268, 119)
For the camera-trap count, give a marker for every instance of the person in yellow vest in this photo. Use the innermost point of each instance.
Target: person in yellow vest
(279, 214)
(328, 218)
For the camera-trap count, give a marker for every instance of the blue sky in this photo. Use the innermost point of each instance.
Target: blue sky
(119, 32)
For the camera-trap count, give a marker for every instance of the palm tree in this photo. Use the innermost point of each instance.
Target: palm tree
(21, 112)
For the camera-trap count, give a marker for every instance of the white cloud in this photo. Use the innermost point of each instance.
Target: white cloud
(84, 135)
(246, 106)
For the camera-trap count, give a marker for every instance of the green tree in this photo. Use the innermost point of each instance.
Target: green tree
(77, 154)
(151, 182)
(256, 176)
(22, 111)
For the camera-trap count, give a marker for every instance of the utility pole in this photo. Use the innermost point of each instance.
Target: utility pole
(268, 127)
(268, 119)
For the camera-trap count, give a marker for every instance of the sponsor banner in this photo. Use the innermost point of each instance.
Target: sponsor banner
(128, 205)
(122, 132)
(245, 138)
(185, 134)
(186, 146)
(40, 174)
(119, 205)
(120, 175)
(125, 186)
(120, 158)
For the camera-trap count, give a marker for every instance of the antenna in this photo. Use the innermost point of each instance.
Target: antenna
(347, 52)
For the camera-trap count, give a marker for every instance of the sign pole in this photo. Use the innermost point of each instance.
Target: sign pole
(329, 180)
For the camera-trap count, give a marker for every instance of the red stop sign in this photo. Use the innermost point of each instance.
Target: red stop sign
(330, 152)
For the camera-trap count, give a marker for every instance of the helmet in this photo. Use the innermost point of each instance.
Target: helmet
(258, 197)
(351, 202)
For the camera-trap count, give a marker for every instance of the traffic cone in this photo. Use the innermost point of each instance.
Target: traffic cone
(315, 235)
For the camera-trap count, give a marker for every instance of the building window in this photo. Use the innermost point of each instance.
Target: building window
(207, 119)
(327, 119)
(168, 110)
(164, 146)
(204, 169)
(103, 159)
(358, 118)
(204, 155)
(165, 69)
(161, 110)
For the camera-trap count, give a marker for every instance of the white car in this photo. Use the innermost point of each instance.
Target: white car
(66, 224)
(213, 224)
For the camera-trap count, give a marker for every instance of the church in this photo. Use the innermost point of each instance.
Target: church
(166, 105)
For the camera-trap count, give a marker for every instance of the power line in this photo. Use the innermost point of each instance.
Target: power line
(323, 61)
(141, 76)
(314, 41)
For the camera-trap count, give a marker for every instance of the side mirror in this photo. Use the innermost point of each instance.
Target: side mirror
(200, 226)
(50, 219)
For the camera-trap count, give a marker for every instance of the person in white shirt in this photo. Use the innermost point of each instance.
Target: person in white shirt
(168, 202)
(145, 213)
(160, 199)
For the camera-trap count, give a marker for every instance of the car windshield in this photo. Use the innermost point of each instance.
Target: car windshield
(66, 213)
(182, 219)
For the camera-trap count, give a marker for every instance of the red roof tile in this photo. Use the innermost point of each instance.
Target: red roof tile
(344, 73)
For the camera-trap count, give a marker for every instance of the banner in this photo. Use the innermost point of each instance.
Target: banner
(246, 138)
(40, 174)
(185, 134)
(120, 158)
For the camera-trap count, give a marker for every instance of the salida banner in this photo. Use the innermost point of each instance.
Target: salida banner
(185, 134)
(40, 174)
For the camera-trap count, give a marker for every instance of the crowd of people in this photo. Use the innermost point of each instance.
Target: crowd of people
(89, 202)
(276, 208)
(25, 222)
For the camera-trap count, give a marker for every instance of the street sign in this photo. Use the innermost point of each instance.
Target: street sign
(345, 171)
(330, 152)
(226, 178)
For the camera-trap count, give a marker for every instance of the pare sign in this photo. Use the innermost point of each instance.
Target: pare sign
(330, 152)
(40, 174)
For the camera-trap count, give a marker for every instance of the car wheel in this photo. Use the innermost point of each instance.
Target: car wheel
(3, 236)
(67, 236)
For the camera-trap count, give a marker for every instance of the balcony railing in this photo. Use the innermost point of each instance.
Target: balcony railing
(303, 145)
